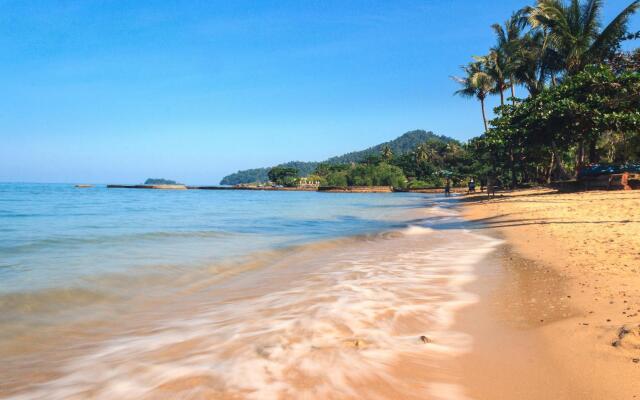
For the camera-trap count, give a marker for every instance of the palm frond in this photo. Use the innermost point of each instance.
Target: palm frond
(611, 36)
(590, 17)
(500, 34)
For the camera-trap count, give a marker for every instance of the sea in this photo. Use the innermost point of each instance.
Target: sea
(197, 294)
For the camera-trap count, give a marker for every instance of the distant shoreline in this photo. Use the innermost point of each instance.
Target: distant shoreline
(325, 189)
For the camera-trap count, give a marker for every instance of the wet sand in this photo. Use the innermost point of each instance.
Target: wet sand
(563, 309)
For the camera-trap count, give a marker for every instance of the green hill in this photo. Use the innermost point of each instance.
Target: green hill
(403, 144)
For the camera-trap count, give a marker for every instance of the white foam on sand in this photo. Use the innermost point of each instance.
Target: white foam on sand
(441, 211)
(417, 230)
(322, 335)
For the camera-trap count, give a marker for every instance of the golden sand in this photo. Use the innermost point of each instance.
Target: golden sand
(565, 314)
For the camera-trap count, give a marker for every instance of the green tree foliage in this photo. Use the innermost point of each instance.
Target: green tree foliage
(160, 181)
(246, 176)
(583, 93)
(381, 174)
(333, 174)
(285, 176)
(337, 179)
(261, 174)
(363, 174)
(594, 106)
(574, 30)
(429, 159)
(387, 153)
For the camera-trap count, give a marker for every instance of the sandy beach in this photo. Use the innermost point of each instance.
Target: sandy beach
(561, 312)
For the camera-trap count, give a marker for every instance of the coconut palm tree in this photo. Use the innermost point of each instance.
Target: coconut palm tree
(421, 153)
(575, 33)
(536, 63)
(453, 149)
(387, 153)
(509, 43)
(495, 65)
(432, 153)
(476, 83)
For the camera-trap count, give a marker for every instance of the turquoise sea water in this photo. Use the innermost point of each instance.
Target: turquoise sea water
(57, 236)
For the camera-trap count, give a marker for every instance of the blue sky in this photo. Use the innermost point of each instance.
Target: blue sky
(118, 91)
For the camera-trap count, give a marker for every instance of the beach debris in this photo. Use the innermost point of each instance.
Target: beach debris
(623, 331)
(425, 339)
(263, 351)
(628, 336)
(355, 343)
(636, 360)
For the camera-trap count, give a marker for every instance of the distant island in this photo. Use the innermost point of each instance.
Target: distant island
(404, 144)
(160, 181)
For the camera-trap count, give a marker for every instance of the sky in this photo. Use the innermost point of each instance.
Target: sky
(119, 91)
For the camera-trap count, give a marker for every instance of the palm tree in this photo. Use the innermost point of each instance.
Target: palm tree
(495, 66)
(432, 153)
(453, 149)
(509, 43)
(535, 62)
(476, 83)
(387, 153)
(421, 153)
(574, 31)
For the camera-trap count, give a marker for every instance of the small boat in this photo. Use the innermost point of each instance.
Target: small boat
(84, 186)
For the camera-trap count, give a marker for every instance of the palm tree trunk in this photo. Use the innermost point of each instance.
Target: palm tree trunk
(484, 116)
(501, 98)
(513, 92)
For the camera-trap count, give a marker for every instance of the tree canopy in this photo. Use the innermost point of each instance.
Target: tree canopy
(285, 176)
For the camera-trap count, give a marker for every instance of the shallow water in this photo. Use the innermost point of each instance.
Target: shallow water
(148, 294)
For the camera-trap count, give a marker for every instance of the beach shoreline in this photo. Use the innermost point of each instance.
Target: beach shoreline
(563, 300)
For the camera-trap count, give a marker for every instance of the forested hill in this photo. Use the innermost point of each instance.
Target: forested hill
(403, 144)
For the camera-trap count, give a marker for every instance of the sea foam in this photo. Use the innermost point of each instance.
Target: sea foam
(340, 325)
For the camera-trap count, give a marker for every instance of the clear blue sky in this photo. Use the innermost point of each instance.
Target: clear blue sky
(118, 91)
